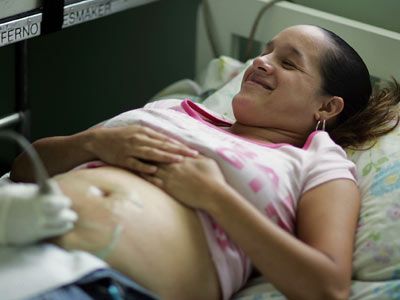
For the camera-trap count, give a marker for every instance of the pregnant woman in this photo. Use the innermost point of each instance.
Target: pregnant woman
(188, 204)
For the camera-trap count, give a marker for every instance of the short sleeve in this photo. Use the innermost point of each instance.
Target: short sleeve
(326, 161)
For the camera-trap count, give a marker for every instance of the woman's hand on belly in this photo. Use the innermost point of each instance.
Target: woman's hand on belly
(136, 147)
(190, 181)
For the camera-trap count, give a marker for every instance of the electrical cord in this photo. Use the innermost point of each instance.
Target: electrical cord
(40, 173)
(250, 40)
(210, 31)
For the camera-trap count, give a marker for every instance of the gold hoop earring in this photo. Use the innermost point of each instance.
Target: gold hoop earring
(323, 125)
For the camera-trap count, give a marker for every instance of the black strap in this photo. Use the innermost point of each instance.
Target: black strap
(52, 16)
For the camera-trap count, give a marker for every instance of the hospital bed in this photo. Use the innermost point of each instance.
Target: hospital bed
(228, 24)
(376, 264)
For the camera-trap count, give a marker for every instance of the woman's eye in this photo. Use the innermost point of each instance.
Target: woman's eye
(287, 64)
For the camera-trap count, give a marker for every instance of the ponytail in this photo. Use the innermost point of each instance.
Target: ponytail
(368, 113)
(380, 116)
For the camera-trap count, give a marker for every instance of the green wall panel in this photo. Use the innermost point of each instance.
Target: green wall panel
(90, 72)
(381, 13)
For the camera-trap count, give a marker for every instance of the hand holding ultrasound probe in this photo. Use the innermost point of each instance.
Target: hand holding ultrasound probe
(31, 212)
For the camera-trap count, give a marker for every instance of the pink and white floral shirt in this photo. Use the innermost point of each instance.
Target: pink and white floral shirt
(272, 177)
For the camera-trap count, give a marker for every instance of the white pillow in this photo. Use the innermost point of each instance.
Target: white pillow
(219, 71)
(220, 101)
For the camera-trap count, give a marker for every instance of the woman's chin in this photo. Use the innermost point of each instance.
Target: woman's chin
(242, 103)
(242, 112)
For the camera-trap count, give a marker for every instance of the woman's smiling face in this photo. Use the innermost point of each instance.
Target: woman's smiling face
(281, 89)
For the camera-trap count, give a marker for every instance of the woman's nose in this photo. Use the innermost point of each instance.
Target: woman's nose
(263, 63)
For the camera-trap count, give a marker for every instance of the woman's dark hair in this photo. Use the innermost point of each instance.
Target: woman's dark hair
(366, 114)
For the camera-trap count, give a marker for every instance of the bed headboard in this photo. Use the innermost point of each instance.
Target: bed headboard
(232, 20)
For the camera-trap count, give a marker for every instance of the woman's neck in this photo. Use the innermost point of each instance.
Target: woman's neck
(268, 135)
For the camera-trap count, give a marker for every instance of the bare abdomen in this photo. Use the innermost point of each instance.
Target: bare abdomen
(141, 231)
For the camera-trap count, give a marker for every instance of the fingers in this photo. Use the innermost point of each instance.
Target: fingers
(52, 204)
(55, 206)
(176, 147)
(143, 157)
(154, 180)
(156, 135)
(57, 225)
(138, 148)
(140, 166)
(167, 149)
(157, 155)
(61, 219)
(57, 217)
(168, 144)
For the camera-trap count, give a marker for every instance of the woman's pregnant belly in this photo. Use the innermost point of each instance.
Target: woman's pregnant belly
(140, 231)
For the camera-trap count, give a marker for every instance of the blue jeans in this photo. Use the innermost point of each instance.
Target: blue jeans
(100, 284)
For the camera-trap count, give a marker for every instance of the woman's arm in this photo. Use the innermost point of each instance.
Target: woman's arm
(58, 154)
(317, 265)
(131, 147)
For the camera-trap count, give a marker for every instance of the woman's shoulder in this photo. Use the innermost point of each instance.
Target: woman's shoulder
(320, 141)
(326, 161)
(322, 149)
